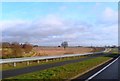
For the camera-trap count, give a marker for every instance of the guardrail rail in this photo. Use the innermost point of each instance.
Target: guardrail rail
(38, 58)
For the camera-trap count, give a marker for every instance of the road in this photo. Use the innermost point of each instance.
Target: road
(15, 72)
(107, 72)
(111, 72)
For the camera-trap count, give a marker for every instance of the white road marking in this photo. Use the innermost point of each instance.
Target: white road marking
(102, 69)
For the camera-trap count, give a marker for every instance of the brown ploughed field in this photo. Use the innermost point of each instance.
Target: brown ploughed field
(48, 51)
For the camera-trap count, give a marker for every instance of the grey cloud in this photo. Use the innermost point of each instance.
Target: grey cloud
(50, 33)
(42, 33)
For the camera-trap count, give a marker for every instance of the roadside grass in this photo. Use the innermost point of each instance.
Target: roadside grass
(9, 50)
(113, 55)
(7, 53)
(10, 66)
(34, 63)
(63, 72)
(29, 54)
(114, 50)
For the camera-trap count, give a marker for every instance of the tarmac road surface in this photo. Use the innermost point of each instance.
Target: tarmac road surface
(112, 72)
(109, 71)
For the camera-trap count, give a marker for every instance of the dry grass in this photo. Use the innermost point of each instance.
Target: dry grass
(49, 51)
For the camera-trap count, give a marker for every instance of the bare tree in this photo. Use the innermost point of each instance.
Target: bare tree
(27, 47)
(17, 50)
(64, 44)
(5, 44)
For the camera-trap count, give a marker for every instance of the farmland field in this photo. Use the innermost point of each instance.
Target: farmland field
(48, 51)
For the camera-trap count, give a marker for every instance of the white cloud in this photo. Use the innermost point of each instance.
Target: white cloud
(109, 16)
(52, 30)
(11, 24)
(44, 29)
(52, 20)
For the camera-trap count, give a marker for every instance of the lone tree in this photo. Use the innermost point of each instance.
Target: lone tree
(64, 44)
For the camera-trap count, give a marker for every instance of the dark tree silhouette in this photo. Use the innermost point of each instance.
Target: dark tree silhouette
(27, 47)
(64, 44)
(5, 44)
(17, 50)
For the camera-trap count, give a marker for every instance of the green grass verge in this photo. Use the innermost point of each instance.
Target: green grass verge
(23, 64)
(34, 63)
(63, 72)
(114, 50)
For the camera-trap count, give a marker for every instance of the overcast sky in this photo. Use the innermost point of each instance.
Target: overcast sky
(50, 23)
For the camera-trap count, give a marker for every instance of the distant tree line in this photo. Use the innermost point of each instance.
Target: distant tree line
(17, 49)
